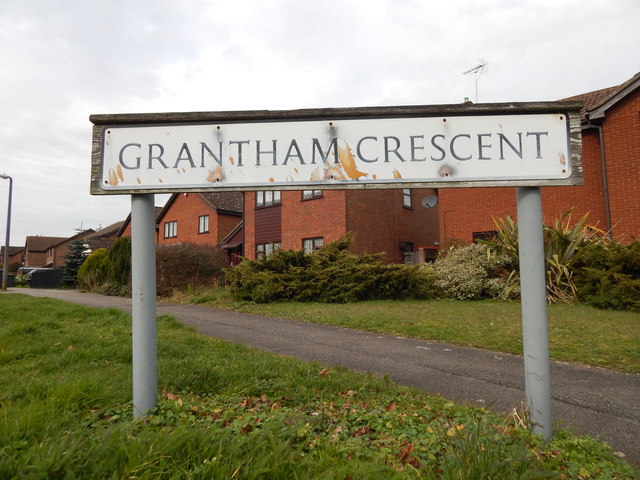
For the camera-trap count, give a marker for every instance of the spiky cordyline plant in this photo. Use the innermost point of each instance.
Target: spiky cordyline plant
(564, 244)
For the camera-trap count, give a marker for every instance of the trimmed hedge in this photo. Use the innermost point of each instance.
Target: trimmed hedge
(187, 265)
(329, 275)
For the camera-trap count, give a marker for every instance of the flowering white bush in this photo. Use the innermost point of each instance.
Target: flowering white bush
(474, 271)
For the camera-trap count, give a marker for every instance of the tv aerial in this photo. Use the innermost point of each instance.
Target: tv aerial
(477, 71)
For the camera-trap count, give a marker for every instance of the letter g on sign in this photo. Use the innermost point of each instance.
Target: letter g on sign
(121, 157)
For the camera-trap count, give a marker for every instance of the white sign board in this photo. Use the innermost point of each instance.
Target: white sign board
(343, 152)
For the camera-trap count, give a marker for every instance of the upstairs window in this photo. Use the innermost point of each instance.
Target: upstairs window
(311, 194)
(406, 197)
(203, 224)
(171, 229)
(266, 198)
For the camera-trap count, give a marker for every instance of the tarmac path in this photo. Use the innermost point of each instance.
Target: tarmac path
(601, 403)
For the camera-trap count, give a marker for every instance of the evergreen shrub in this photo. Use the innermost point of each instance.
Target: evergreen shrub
(74, 258)
(120, 262)
(94, 272)
(329, 275)
(187, 265)
(609, 276)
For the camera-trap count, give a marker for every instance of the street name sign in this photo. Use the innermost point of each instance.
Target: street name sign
(385, 147)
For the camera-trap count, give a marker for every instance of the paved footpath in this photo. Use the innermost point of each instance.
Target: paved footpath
(595, 401)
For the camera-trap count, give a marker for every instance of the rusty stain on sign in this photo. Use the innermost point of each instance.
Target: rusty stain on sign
(113, 178)
(348, 162)
(215, 175)
(445, 171)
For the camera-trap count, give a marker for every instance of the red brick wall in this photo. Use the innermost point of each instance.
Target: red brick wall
(382, 222)
(467, 210)
(35, 259)
(319, 217)
(621, 128)
(126, 232)
(16, 257)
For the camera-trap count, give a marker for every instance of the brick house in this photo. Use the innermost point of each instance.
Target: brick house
(200, 218)
(55, 253)
(611, 190)
(212, 218)
(16, 255)
(386, 220)
(36, 248)
(49, 251)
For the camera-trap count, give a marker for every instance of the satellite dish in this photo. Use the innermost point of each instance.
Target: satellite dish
(430, 201)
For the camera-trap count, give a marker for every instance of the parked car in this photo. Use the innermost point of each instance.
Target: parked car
(25, 274)
(22, 275)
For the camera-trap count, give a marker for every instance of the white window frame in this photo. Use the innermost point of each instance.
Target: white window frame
(171, 229)
(266, 249)
(311, 194)
(267, 198)
(406, 198)
(203, 224)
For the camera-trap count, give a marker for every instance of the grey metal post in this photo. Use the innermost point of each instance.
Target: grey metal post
(143, 303)
(535, 333)
(5, 264)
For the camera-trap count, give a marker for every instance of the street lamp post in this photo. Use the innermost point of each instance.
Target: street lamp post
(5, 267)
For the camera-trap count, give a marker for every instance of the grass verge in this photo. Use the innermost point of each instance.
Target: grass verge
(228, 411)
(577, 333)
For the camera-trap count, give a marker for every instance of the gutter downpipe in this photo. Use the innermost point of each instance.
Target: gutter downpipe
(605, 181)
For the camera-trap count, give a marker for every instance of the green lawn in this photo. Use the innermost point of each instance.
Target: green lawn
(228, 411)
(577, 333)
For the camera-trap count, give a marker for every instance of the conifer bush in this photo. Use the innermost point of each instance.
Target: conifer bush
(94, 272)
(329, 275)
(74, 258)
(609, 276)
(120, 262)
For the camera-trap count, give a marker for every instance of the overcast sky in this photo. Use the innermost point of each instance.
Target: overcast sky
(63, 60)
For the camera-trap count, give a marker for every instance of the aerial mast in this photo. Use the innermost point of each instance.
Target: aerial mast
(477, 71)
